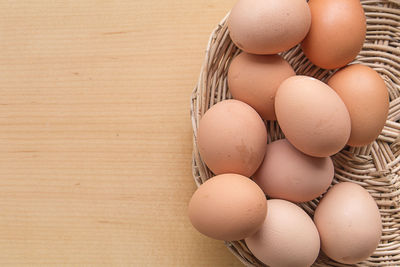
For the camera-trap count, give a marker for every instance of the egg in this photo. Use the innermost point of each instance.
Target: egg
(337, 32)
(287, 238)
(228, 207)
(365, 95)
(287, 173)
(312, 116)
(232, 138)
(268, 26)
(254, 80)
(349, 223)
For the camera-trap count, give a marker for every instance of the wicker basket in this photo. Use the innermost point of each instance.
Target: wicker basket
(376, 167)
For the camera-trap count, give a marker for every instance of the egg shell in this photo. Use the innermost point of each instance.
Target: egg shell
(365, 95)
(268, 26)
(254, 80)
(287, 173)
(349, 223)
(228, 207)
(312, 116)
(337, 32)
(287, 238)
(232, 138)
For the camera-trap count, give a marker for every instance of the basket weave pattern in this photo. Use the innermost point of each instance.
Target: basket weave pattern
(375, 167)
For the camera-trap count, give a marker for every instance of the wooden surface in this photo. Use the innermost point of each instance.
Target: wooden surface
(95, 134)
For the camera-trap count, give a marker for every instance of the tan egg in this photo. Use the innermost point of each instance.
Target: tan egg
(254, 80)
(232, 138)
(287, 173)
(268, 26)
(367, 100)
(228, 207)
(337, 32)
(287, 238)
(349, 223)
(312, 116)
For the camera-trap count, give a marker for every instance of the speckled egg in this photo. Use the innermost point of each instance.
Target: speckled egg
(232, 138)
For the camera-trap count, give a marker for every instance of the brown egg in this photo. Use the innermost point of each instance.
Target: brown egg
(349, 223)
(287, 173)
(312, 116)
(287, 238)
(337, 32)
(365, 95)
(232, 138)
(254, 80)
(228, 207)
(268, 26)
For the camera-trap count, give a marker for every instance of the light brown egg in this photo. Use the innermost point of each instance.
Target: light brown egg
(349, 223)
(254, 80)
(287, 238)
(228, 207)
(312, 116)
(337, 32)
(232, 138)
(367, 100)
(268, 26)
(287, 173)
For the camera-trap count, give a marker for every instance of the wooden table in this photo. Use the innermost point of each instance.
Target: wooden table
(95, 132)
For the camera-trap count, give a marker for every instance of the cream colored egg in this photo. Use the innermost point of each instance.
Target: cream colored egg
(287, 238)
(349, 223)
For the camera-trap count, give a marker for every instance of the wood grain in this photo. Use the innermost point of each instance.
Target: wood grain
(95, 134)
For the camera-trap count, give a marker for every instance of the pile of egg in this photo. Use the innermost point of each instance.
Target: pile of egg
(318, 120)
